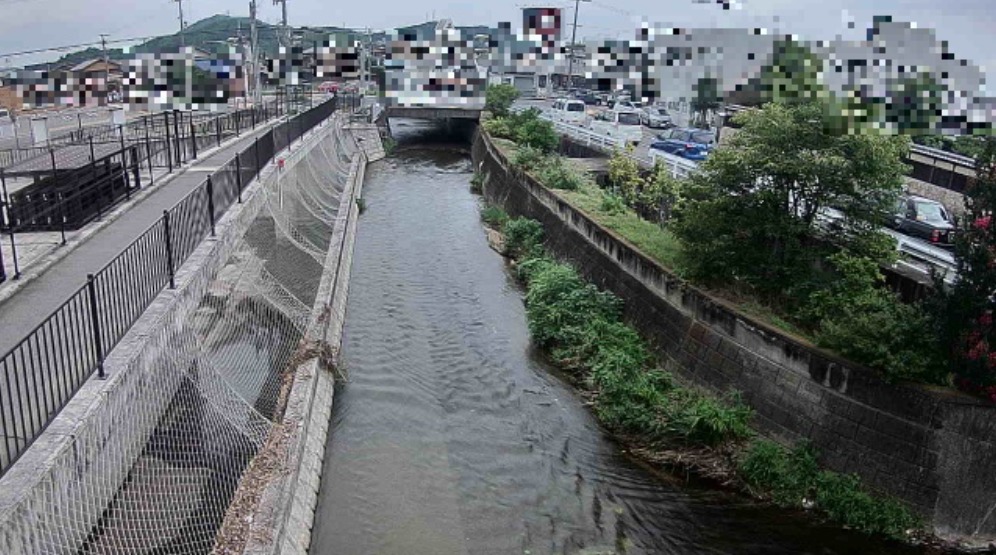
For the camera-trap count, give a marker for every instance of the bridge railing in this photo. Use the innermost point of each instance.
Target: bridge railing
(46, 368)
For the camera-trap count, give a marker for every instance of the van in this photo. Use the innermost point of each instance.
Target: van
(623, 125)
(569, 111)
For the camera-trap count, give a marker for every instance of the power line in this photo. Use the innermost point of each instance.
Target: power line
(69, 46)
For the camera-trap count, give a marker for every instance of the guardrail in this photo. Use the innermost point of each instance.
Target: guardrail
(964, 161)
(46, 368)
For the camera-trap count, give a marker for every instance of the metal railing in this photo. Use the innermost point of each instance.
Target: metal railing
(46, 368)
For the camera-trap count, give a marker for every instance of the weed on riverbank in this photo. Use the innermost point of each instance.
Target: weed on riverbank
(580, 328)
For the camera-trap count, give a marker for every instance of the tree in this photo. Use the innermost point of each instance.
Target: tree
(751, 214)
(914, 104)
(966, 312)
(707, 99)
(499, 99)
(793, 75)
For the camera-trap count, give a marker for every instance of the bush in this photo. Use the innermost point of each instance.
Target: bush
(528, 158)
(530, 130)
(790, 477)
(708, 420)
(494, 217)
(612, 204)
(523, 237)
(558, 175)
(866, 323)
(499, 99)
(477, 183)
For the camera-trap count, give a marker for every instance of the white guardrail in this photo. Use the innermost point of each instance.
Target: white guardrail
(679, 166)
(918, 250)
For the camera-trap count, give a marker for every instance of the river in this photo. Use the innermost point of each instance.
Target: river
(454, 436)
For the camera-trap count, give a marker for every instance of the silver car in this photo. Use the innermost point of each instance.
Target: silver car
(656, 116)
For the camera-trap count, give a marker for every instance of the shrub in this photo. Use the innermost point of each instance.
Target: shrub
(528, 158)
(494, 216)
(477, 183)
(523, 237)
(500, 127)
(558, 175)
(612, 203)
(866, 323)
(499, 99)
(790, 477)
(707, 420)
(530, 130)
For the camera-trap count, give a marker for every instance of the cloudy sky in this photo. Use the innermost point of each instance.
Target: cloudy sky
(967, 25)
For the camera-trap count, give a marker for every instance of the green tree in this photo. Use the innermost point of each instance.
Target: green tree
(751, 212)
(707, 99)
(913, 106)
(499, 99)
(966, 312)
(794, 74)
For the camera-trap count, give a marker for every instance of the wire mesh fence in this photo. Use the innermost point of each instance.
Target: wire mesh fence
(42, 372)
(202, 402)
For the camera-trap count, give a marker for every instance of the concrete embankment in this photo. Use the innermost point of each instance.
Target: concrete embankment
(936, 450)
(149, 458)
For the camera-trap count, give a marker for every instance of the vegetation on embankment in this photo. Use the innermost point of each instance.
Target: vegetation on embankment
(581, 330)
(752, 216)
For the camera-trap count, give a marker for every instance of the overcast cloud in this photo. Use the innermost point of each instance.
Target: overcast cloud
(969, 26)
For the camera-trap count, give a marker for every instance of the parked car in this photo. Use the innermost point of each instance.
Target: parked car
(569, 111)
(923, 218)
(590, 98)
(687, 151)
(618, 97)
(687, 139)
(623, 125)
(656, 116)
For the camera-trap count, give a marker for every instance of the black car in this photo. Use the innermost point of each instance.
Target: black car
(923, 218)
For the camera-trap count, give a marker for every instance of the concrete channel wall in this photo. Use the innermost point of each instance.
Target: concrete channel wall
(52, 499)
(283, 516)
(934, 449)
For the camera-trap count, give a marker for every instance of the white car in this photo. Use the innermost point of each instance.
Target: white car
(569, 111)
(623, 125)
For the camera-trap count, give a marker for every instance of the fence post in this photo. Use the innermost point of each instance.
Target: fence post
(92, 157)
(259, 165)
(10, 224)
(134, 167)
(148, 148)
(238, 116)
(193, 138)
(169, 142)
(95, 322)
(58, 195)
(238, 175)
(210, 193)
(169, 250)
(176, 136)
(253, 113)
(217, 128)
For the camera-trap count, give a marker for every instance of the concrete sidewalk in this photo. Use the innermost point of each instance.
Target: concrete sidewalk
(43, 294)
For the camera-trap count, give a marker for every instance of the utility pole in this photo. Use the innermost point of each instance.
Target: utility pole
(284, 33)
(254, 53)
(107, 66)
(570, 55)
(183, 42)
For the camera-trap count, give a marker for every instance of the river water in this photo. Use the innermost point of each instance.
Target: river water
(454, 436)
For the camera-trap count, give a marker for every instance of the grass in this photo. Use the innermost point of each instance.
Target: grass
(654, 241)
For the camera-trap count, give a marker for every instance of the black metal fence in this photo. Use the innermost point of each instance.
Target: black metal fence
(46, 368)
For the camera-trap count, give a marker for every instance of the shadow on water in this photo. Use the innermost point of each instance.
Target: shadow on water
(454, 436)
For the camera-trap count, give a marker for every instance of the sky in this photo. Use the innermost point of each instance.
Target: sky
(967, 25)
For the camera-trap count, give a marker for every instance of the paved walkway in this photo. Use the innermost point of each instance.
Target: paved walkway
(29, 306)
